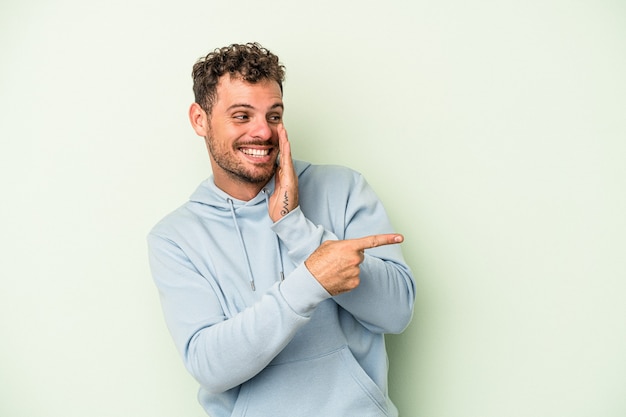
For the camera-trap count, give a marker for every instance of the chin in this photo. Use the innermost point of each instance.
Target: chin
(258, 176)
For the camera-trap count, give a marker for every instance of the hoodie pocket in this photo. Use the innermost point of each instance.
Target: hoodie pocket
(333, 384)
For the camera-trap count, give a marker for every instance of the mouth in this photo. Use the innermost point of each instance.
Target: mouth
(255, 152)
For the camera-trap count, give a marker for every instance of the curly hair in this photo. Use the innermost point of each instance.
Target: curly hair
(250, 62)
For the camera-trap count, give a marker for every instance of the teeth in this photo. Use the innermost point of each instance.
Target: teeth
(256, 152)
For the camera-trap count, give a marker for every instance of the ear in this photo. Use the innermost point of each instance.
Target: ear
(199, 120)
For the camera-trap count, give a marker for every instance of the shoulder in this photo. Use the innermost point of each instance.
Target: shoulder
(171, 224)
(325, 174)
(203, 205)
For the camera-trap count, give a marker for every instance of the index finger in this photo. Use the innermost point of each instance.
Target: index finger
(369, 242)
(284, 146)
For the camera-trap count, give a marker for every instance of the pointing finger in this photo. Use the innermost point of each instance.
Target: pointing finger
(373, 241)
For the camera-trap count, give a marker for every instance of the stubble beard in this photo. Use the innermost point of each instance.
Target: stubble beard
(235, 169)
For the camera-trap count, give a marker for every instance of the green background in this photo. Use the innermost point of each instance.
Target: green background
(493, 131)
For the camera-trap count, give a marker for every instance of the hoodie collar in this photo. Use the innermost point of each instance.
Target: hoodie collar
(208, 193)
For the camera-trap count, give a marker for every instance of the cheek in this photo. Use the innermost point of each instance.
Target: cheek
(218, 136)
(227, 135)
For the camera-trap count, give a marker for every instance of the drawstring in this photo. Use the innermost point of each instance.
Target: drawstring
(280, 254)
(243, 246)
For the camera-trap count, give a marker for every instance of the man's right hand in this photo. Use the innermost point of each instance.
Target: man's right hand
(285, 197)
(336, 263)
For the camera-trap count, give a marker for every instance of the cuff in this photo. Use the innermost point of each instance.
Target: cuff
(302, 291)
(300, 236)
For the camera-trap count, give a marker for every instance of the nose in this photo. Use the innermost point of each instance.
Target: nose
(261, 129)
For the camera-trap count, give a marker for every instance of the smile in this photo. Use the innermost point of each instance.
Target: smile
(255, 152)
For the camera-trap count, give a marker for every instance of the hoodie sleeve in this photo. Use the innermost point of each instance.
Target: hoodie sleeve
(383, 301)
(222, 352)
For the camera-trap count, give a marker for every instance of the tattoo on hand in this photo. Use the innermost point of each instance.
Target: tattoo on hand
(285, 209)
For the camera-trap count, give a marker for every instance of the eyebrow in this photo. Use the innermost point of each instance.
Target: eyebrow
(248, 106)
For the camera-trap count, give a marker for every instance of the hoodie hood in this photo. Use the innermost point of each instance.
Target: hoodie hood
(244, 212)
(208, 193)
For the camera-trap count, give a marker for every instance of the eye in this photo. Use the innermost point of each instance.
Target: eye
(274, 118)
(241, 116)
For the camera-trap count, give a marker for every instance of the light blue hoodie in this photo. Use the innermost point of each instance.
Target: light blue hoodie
(261, 346)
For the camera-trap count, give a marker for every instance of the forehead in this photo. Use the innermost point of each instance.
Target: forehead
(232, 90)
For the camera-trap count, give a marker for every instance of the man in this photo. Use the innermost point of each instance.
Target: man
(278, 279)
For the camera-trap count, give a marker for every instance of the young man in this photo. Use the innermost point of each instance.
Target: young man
(278, 278)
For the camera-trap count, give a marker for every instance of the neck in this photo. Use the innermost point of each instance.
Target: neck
(237, 188)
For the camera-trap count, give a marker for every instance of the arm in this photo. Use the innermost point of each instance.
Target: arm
(222, 348)
(382, 296)
(384, 299)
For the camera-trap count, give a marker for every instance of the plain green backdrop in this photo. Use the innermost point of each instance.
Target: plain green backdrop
(493, 131)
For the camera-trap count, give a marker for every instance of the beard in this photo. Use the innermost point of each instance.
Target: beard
(237, 170)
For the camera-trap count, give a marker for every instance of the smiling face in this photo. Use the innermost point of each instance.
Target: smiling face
(240, 134)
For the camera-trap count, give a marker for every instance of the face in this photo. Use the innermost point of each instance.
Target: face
(241, 134)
